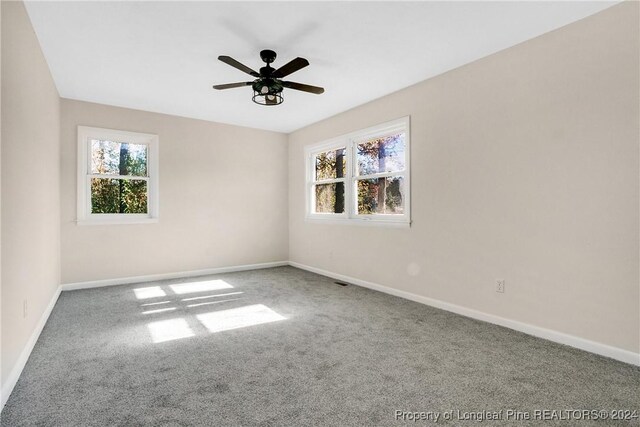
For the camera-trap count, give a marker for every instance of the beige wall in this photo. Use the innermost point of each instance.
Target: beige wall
(223, 199)
(30, 183)
(524, 167)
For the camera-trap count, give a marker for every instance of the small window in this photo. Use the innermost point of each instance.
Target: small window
(117, 176)
(330, 176)
(363, 176)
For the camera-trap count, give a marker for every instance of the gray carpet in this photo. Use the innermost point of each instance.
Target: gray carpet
(284, 347)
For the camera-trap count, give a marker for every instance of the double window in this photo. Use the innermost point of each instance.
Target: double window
(362, 176)
(117, 176)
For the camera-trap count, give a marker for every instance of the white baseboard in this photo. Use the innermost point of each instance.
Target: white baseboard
(163, 276)
(12, 379)
(548, 334)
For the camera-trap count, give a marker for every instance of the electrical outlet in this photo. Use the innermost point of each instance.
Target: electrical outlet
(24, 309)
(500, 286)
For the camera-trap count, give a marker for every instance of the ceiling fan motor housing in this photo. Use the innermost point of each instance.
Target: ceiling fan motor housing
(268, 56)
(267, 85)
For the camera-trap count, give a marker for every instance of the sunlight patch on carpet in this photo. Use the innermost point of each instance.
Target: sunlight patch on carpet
(224, 320)
(211, 302)
(169, 330)
(159, 310)
(149, 292)
(211, 296)
(201, 286)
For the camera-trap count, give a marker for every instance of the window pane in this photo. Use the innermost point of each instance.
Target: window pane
(118, 158)
(381, 196)
(381, 155)
(330, 164)
(109, 196)
(330, 198)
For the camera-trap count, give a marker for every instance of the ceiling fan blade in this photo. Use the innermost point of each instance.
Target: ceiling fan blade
(305, 88)
(235, 64)
(232, 85)
(290, 67)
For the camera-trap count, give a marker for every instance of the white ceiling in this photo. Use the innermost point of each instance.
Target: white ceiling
(161, 56)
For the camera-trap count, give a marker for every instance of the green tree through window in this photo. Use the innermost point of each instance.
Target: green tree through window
(119, 177)
(381, 195)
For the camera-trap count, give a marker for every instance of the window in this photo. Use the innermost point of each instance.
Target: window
(362, 176)
(117, 176)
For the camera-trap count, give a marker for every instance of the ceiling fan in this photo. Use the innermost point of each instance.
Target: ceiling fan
(268, 85)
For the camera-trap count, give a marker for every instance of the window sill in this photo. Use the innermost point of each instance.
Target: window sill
(360, 222)
(117, 221)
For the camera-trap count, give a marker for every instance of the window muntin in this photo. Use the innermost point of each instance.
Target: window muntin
(381, 163)
(328, 184)
(361, 176)
(117, 176)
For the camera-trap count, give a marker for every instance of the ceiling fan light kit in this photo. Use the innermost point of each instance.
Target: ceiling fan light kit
(268, 85)
(268, 98)
(267, 92)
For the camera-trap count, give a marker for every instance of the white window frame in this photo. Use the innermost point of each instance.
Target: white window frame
(350, 142)
(85, 217)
